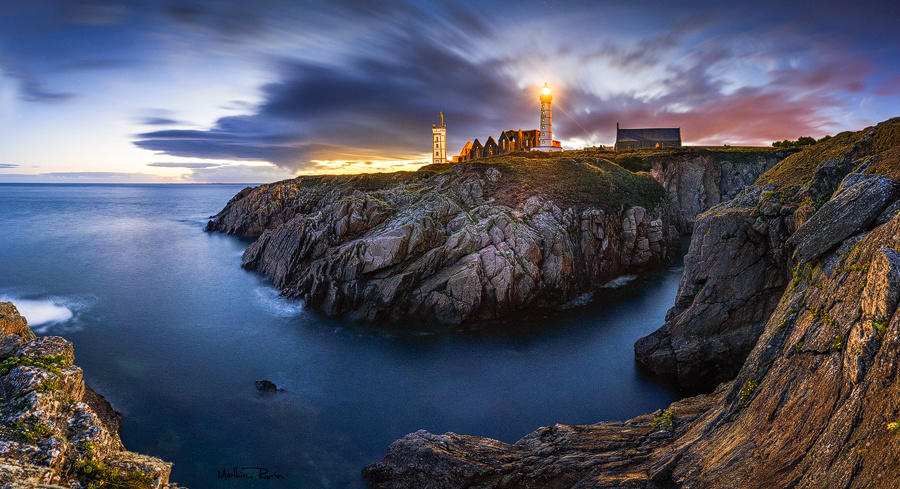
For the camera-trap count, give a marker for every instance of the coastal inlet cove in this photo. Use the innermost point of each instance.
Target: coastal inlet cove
(174, 333)
(297, 244)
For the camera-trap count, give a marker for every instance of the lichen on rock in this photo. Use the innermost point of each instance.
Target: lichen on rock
(479, 240)
(54, 425)
(745, 252)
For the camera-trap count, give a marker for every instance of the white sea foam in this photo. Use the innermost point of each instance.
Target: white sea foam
(619, 281)
(581, 300)
(195, 220)
(45, 311)
(49, 312)
(276, 304)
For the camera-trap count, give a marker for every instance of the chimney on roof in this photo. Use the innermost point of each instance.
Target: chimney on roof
(617, 125)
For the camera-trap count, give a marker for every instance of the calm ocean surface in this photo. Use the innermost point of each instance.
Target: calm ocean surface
(173, 332)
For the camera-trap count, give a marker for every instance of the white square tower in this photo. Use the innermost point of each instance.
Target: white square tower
(439, 136)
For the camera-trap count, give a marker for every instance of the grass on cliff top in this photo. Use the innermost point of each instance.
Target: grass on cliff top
(887, 163)
(364, 182)
(632, 160)
(643, 160)
(688, 150)
(577, 178)
(797, 170)
(574, 182)
(573, 178)
(593, 176)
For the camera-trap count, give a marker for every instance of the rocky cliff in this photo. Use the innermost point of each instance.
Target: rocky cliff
(56, 432)
(471, 241)
(814, 403)
(698, 178)
(478, 240)
(743, 252)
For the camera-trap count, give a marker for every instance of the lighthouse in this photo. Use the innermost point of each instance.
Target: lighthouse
(546, 142)
(439, 136)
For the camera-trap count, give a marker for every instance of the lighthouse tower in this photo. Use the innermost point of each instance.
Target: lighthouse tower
(546, 142)
(439, 148)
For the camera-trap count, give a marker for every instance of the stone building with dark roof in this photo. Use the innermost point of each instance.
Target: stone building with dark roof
(659, 137)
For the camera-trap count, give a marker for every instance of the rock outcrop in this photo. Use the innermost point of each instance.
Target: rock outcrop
(857, 203)
(604, 455)
(56, 432)
(699, 179)
(732, 281)
(743, 252)
(478, 240)
(815, 403)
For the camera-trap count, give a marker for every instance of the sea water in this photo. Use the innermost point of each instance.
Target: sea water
(169, 327)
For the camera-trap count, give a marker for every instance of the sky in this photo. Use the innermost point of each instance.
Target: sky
(257, 91)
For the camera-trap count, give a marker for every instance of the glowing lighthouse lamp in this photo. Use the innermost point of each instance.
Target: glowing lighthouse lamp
(546, 142)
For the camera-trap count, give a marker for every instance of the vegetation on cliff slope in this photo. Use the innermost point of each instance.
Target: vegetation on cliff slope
(54, 430)
(580, 178)
(879, 143)
(576, 181)
(740, 259)
(572, 177)
(576, 177)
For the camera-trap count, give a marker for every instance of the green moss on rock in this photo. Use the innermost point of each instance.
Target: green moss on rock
(94, 474)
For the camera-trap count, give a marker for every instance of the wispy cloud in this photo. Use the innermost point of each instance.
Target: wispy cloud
(237, 174)
(379, 102)
(213, 174)
(159, 121)
(34, 90)
(83, 177)
(184, 165)
(331, 86)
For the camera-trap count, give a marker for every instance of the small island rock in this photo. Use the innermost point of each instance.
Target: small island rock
(266, 386)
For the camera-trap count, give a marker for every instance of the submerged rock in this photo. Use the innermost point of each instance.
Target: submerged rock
(266, 386)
